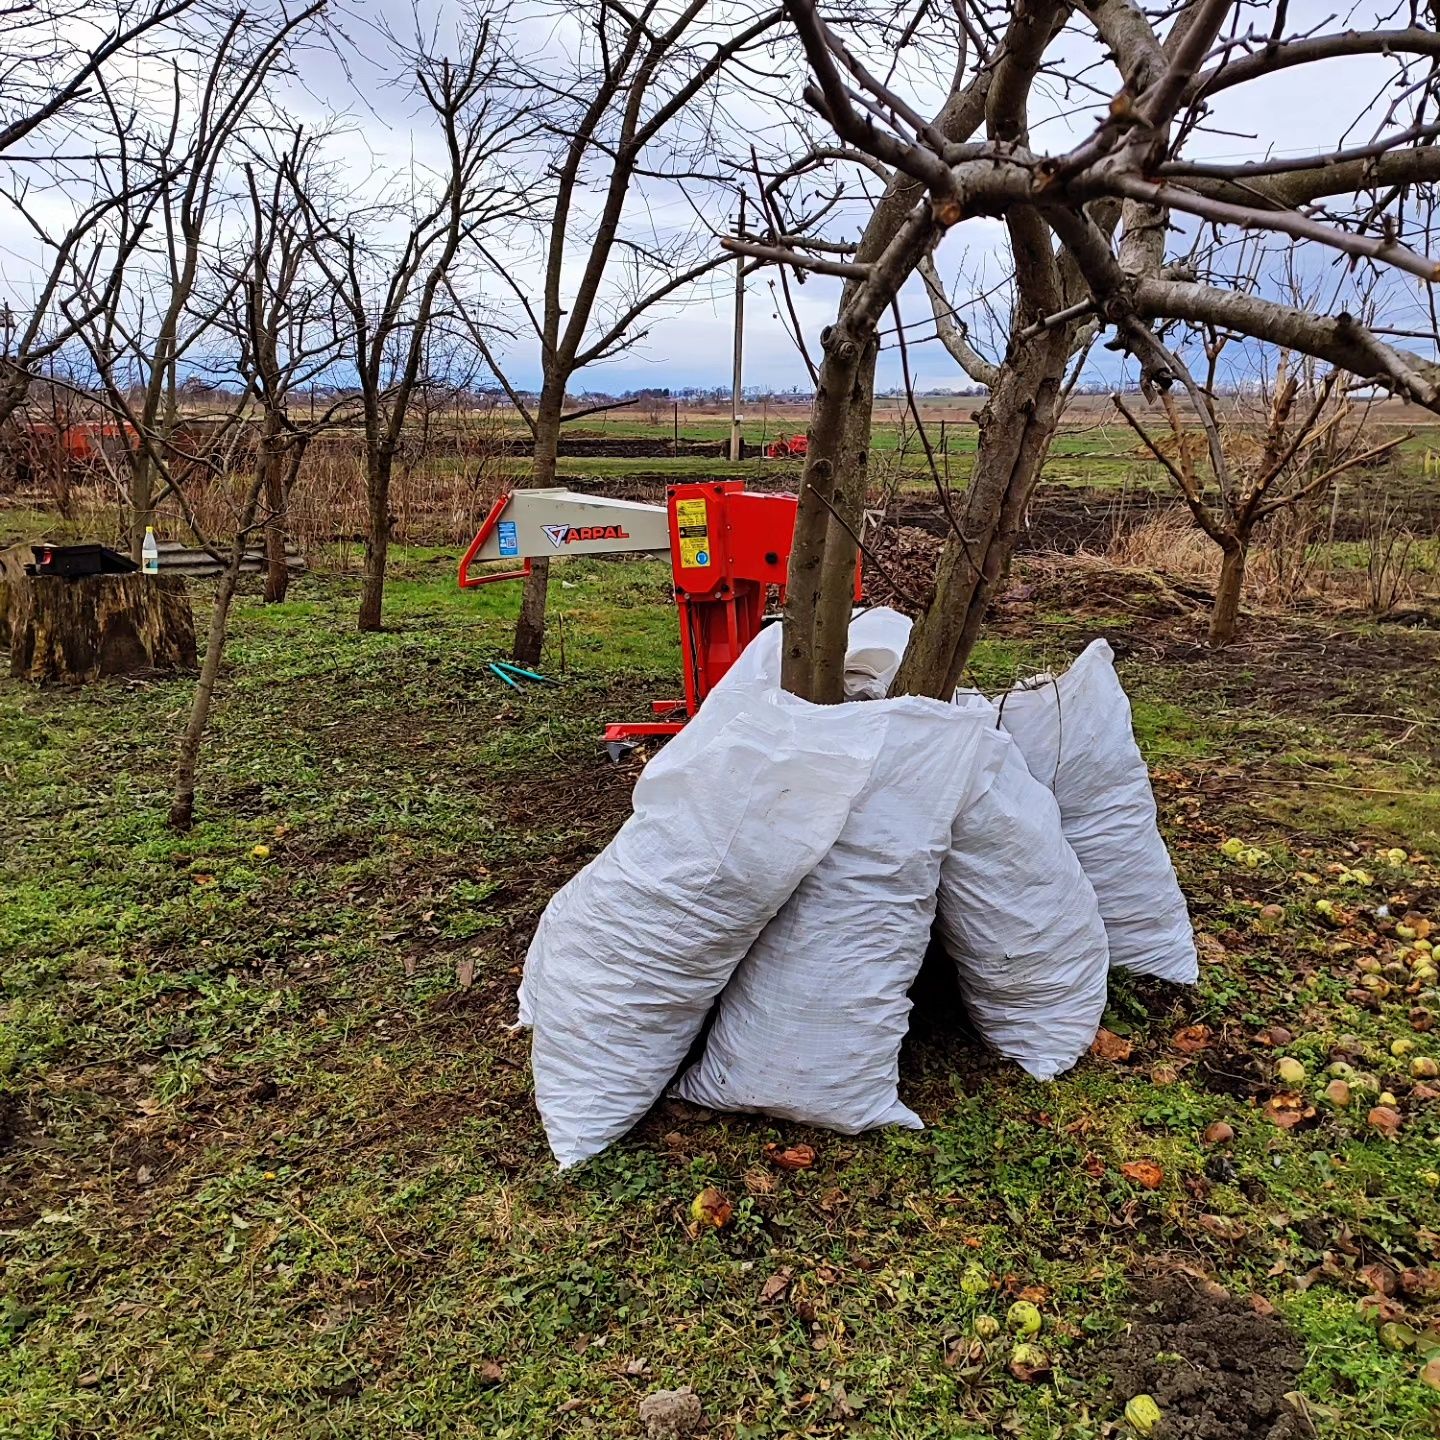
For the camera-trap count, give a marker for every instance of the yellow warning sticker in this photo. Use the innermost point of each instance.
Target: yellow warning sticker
(692, 525)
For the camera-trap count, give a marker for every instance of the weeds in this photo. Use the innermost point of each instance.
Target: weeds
(271, 1165)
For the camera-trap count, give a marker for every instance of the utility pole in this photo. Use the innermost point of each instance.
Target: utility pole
(735, 381)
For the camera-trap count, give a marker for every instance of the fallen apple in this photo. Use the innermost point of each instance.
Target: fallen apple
(975, 1281)
(1142, 1414)
(711, 1207)
(1023, 1318)
(1290, 1071)
(1029, 1362)
(1385, 1119)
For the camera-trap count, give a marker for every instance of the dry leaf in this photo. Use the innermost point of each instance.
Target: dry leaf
(1223, 1227)
(1380, 1278)
(1093, 1165)
(1422, 1283)
(489, 1373)
(792, 1157)
(840, 1406)
(1109, 1046)
(1191, 1039)
(1287, 1109)
(776, 1288)
(1211, 951)
(465, 972)
(1143, 1172)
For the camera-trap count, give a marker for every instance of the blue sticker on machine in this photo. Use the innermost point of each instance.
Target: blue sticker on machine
(509, 540)
(702, 557)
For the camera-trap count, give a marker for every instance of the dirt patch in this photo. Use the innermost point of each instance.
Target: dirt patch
(1217, 1369)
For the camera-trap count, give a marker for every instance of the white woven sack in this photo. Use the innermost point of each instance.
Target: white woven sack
(1076, 736)
(631, 953)
(1020, 921)
(877, 641)
(809, 1028)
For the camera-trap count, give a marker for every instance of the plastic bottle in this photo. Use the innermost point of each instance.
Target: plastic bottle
(150, 553)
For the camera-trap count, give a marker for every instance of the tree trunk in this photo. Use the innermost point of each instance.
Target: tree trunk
(806, 669)
(1227, 592)
(272, 465)
(1016, 428)
(530, 627)
(142, 509)
(76, 631)
(377, 536)
(837, 581)
(187, 758)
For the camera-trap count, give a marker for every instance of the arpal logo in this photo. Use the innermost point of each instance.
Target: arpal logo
(561, 535)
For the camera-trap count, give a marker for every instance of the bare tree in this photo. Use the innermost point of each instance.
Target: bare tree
(61, 149)
(280, 314)
(142, 317)
(396, 296)
(1257, 478)
(53, 56)
(1087, 230)
(627, 112)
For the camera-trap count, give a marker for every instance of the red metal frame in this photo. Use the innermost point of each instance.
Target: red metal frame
(473, 582)
(727, 548)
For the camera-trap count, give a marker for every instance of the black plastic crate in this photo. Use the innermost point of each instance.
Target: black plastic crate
(72, 562)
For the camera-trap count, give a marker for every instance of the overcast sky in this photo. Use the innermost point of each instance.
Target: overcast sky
(689, 343)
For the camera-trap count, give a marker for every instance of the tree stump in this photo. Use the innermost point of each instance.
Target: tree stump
(76, 631)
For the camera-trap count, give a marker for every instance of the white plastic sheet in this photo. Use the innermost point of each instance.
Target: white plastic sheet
(810, 1027)
(1020, 921)
(631, 953)
(1076, 736)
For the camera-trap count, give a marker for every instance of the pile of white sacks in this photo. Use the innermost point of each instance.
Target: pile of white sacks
(791, 860)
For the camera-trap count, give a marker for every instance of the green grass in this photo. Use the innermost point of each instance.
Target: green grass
(273, 1169)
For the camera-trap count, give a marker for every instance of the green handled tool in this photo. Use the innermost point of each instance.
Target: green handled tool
(513, 674)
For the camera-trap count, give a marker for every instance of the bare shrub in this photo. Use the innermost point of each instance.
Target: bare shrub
(1392, 562)
(1281, 575)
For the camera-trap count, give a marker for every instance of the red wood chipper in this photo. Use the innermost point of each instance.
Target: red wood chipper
(726, 548)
